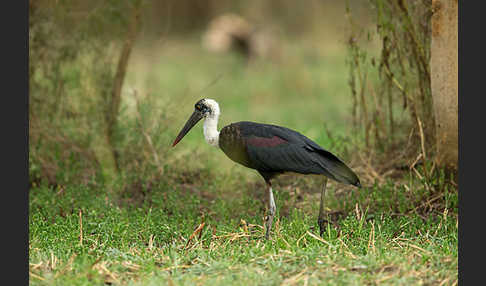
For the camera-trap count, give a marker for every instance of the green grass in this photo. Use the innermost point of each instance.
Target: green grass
(146, 242)
(137, 231)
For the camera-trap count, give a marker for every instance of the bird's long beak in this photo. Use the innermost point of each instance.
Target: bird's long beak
(195, 117)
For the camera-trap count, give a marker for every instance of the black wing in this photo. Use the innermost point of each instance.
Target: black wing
(276, 149)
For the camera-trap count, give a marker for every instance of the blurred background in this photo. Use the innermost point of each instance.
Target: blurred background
(111, 82)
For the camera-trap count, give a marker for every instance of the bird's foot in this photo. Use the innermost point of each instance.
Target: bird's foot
(321, 222)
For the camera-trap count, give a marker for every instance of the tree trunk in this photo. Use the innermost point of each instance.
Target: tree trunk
(444, 80)
(114, 107)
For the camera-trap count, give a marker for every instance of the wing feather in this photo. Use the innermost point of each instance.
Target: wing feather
(272, 148)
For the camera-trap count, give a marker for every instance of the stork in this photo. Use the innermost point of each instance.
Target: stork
(271, 150)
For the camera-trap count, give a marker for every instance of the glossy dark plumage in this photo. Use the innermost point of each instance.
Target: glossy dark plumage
(272, 150)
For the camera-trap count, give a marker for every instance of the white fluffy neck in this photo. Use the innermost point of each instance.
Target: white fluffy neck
(210, 127)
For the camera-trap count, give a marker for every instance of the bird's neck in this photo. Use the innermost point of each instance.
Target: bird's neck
(210, 127)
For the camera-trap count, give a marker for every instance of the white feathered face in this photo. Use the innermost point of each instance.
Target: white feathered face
(204, 108)
(207, 107)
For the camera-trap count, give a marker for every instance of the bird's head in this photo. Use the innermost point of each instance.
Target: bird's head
(204, 108)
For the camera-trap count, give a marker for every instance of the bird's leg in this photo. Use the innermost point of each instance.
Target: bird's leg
(320, 219)
(271, 211)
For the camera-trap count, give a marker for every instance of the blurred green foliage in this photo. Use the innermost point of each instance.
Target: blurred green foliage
(391, 91)
(73, 52)
(72, 55)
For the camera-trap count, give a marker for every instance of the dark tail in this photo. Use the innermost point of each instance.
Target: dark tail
(335, 169)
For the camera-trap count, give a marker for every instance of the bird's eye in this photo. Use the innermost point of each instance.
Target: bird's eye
(198, 106)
